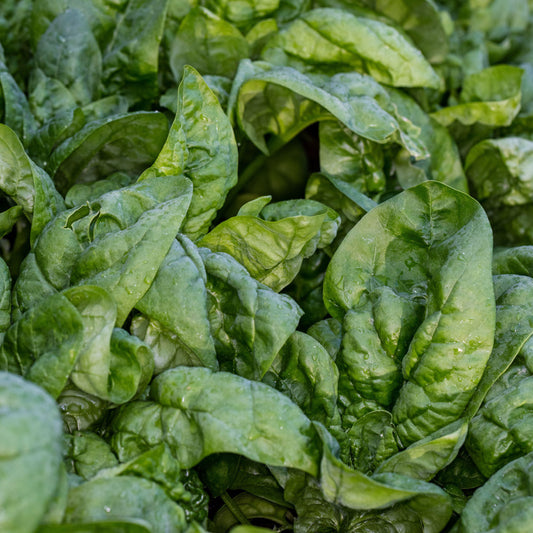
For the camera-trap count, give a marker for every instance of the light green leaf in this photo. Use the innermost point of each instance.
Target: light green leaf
(490, 97)
(332, 40)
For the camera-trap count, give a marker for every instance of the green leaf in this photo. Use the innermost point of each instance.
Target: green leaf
(260, 90)
(9, 218)
(27, 184)
(127, 143)
(490, 97)
(128, 234)
(14, 107)
(130, 62)
(514, 326)
(201, 145)
(178, 334)
(304, 371)
(43, 345)
(125, 498)
(510, 181)
(67, 69)
(198, 413)
(370, 441)
(517, 260)
(444, 163)
(116, 242)
(79, 410)
(332, 40)
(501, 430)
(111, 364)
(88, 454)
(425, 458)
(249, 322)
(208, 43)
(408, 282)
(273, 250)
(81, 193)
(420, 19)
(343, 486)
(243, 13)
(346, 157)
(503, 504)
(30, 453)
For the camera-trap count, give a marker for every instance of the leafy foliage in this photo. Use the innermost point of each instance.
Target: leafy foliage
(247, 274)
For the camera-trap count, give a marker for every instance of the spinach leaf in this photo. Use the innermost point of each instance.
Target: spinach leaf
(332, 40)
(272, 248)
(198, 412)
(203, 150)
(99, 148)
(30, 452)
(503, 503)
(260, 89)
(125, 497)
(130, 61)
(398, 282)
(68, 67)
(208, 43)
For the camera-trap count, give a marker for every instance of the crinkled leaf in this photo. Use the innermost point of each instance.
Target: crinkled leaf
(407, 282)
(201, 145)
(198, 413)
(304, 371)
(249, 321)
(272, 250)
(343, 486)
(44, 343)
(87, 454)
